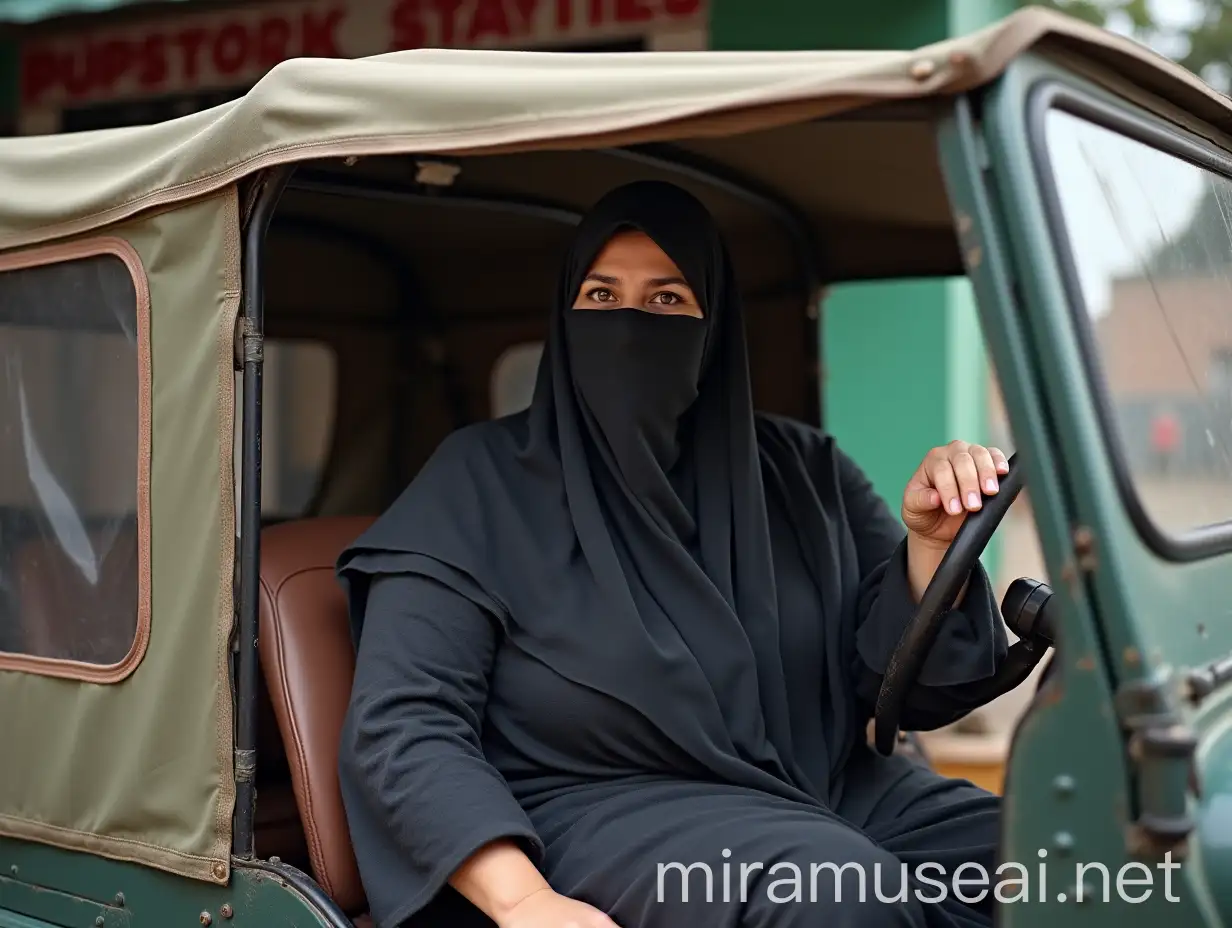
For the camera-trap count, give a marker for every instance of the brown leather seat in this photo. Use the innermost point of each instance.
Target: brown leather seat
(309, 664)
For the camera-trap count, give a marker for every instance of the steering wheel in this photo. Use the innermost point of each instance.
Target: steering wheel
(918, 638)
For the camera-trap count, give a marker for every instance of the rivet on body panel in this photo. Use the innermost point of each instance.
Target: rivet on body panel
(119, 899)
(205, 918)
(226, 911)
(220, 870)
(1064, 785)
(1063, 841)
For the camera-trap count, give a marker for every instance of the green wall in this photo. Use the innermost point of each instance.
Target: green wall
(904, 362)
(904, 371)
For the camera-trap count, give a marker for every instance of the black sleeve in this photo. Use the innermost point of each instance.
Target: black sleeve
(972, 641)
(420, 796)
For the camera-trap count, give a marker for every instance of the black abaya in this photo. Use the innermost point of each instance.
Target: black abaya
(639, 624)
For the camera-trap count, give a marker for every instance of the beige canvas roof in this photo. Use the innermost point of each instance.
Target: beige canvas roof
(466, 101)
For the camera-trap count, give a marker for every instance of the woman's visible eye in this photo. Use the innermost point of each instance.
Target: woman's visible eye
(668, 298)
(601, 295)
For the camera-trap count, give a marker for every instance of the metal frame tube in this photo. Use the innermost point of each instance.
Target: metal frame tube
(270, 185)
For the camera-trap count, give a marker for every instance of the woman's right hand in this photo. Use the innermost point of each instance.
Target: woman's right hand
(546, 908)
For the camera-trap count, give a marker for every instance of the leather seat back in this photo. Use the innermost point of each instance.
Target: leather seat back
(309, 664)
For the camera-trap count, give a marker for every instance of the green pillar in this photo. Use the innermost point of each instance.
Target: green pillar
(904, 366)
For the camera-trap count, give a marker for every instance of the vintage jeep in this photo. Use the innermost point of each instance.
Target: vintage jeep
(354, 259)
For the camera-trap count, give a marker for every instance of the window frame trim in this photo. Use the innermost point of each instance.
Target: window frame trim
(64, 253)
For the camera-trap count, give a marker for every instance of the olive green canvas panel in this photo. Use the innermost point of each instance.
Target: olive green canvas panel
(138, 766)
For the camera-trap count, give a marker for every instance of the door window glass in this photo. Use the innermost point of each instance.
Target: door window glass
(1151, 246)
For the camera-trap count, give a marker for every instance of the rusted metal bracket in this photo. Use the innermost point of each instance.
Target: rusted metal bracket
(1203, 681)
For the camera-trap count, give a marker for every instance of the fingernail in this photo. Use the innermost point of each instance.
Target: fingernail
(973, 500)
(955, 506)
(991, 485)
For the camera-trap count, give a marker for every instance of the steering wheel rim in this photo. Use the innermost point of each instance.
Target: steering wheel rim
(921, 632)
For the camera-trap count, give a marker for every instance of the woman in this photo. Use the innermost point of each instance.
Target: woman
(639, 628)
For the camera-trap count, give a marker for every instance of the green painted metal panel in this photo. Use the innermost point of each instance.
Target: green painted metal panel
(1131, 619)
(12, 920)
(1156, 616)
(41, 886)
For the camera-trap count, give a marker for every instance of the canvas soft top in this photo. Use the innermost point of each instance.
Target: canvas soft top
(453, 101)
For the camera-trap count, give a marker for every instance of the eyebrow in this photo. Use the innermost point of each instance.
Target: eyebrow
(654, 281)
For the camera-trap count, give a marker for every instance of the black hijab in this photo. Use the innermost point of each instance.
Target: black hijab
(632, 396)
(619, 528)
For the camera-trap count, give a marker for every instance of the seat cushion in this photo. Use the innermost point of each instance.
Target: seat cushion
(309, 664)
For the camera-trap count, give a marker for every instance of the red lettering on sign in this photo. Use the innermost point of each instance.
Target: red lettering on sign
(230, 48)
(225, 49)
(633, 11)
(273, 41)
(448, 12)
(190, 41)
(153, 68)
(77, 73)
(406, 24)
(112, 59)
(489, 19)
(40, 69)
(526, 14)
(319, 36)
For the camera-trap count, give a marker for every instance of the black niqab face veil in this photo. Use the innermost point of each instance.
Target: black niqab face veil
(636, 375)
(652, 418)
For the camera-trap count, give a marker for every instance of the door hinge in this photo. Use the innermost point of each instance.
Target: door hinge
(1161, 749)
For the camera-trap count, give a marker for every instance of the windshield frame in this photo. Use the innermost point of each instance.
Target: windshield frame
(1197, 543)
